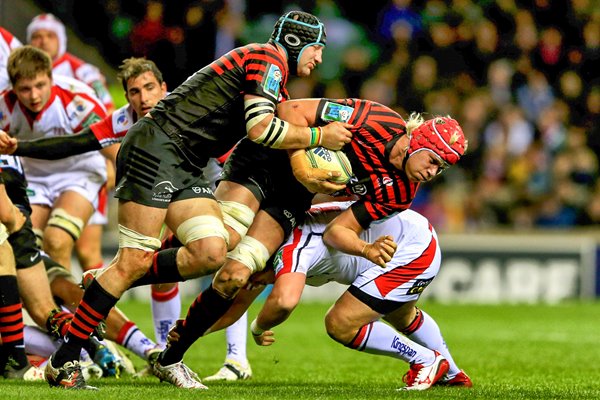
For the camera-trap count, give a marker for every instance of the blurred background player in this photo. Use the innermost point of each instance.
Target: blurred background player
(48, 33)
(8, 42)
(63, 194)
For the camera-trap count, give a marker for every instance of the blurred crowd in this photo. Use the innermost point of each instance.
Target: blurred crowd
(520, 76)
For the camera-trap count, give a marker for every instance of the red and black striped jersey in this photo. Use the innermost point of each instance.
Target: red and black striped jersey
(205, 114)
(382, 188)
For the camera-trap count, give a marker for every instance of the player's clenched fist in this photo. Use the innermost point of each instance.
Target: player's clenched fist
(336, 135)
(380, 251)
(8, 145)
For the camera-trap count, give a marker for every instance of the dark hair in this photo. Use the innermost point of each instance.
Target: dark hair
(136, 66)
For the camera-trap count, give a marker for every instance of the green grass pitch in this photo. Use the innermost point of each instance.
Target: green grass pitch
(510, 351)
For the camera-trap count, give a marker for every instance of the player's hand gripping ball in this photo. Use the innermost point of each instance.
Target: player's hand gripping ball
(322, 158)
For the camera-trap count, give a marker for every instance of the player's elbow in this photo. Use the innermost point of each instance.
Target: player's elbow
(286, 305)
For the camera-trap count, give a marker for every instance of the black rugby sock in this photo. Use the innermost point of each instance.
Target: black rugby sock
(208, 307)
(163, 270)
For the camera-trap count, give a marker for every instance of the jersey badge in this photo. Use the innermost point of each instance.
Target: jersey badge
(122, 121)
(79, 108)
(336, 112)
(271, 82)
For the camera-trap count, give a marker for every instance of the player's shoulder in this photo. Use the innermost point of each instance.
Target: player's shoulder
(264, 50)
(123, 118)
(72, 59)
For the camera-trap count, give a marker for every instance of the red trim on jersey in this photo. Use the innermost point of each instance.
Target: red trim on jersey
(221, 160)
(404, 273)
(102, 200)
(74, 61)
(6, 35)
(287, 253)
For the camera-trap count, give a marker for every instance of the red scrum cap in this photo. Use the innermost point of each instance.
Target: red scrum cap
(440, 135)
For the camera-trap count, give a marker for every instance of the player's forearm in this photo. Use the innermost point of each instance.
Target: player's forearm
(272, 314)
(57, 147)
(344, 239)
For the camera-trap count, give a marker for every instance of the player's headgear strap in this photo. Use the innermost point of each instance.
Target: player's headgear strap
(440, 135)
(51, 23)
(295, 31)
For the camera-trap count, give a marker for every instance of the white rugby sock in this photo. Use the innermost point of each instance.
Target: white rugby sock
(166, 309)
(38, 342)
(429, 335)
(236, 335)
(135, 340)
(380, 338)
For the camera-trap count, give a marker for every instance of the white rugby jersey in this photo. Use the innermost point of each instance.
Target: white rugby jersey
(7, 44)
(306, 253)
(65, 113)
(74, 67)
(113, 128)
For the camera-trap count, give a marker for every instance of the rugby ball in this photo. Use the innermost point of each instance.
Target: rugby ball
(320, 157)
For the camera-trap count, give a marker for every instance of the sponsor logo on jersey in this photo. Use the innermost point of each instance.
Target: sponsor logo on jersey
(272, 81)
(387, 181)
(91, 119)
(79, 108)
(122, 119)
(419, 286)
(336, 112)
(357, 188)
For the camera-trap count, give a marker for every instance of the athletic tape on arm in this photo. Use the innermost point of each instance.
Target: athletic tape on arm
(258, 109)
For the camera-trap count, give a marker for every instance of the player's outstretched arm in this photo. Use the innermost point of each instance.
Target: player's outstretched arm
(57, 147)
(280, 303)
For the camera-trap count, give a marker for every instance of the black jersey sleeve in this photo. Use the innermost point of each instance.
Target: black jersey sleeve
(266, 74)
(57, 147)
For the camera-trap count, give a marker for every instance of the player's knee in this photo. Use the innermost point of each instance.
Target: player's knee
(337, 327)
(57, 242)
(231, 279)
(207, 255)
(132, 264)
